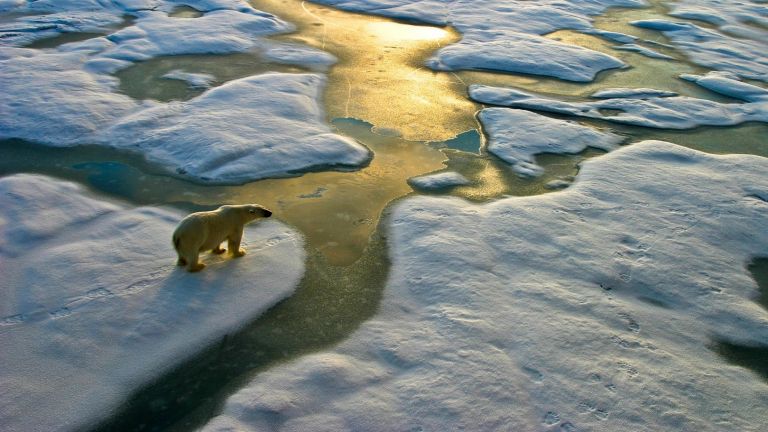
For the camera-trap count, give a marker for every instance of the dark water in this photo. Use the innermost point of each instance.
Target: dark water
(754, 358)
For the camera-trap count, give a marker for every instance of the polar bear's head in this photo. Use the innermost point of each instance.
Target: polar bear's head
(256, 211)
(247, 212)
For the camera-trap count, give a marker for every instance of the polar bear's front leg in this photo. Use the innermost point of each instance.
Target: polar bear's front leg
(233, 243)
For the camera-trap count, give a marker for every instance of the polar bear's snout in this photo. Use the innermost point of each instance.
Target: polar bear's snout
(259, 210)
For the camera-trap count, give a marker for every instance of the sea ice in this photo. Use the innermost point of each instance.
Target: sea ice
(276, 129)
(94, 305)
(744, 55)
(27, 29)
(516, 136)
(642, 50)
(437, 181)
(506, 36)
(216, 32)
(586, 309)
(636, 93)
(196, 80)
(521, 53)
(675, 112)
(49, 98)
(65, 97)
(725, 84)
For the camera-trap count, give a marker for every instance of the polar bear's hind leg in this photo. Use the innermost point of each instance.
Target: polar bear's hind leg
(193, 264)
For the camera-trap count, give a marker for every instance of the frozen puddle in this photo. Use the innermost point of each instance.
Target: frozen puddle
(588, 309)
(95, 307)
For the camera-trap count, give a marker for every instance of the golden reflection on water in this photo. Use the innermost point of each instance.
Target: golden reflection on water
(337, 211)
(380, 77)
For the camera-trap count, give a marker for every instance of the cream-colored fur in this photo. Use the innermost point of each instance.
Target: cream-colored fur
(203, 231)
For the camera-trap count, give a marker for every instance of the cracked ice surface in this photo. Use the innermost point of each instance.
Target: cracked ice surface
(586, 309)
(94, 306)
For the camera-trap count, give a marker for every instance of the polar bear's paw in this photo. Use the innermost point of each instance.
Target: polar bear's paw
(238, 253)
(197, 267)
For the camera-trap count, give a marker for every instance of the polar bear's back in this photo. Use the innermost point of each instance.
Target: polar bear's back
(204, 230)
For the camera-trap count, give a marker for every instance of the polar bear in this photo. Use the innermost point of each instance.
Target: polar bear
(203, 231)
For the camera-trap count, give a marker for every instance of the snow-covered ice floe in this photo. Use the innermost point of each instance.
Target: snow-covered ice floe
(261, 126)
(585, 309)
(642, 107)
(516, 136)
(738, 45)
(50, 98)
(27, 29)
(506, 36)
(67, 97)
(94, 306)
(438, 181)
(278, 128)
(643, 51)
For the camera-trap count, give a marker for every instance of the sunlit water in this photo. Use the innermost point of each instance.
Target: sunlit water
(415, 121)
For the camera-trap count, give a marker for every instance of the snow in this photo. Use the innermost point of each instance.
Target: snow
(94, 306)
(49, 98)
(585, 309)
(638, 93)
(216, 32)
(676, 112)
(506, 36)
(642, 50)
(743, 55)
(120, 6)
(516, 136)
(63, 99)
(294, 54)
(528, 54)
(277, 129)
(725, 84)
(438, 181)
(27, 29)
(614, 36)
(195, 80)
